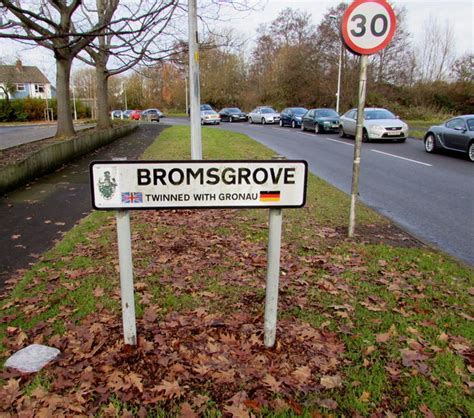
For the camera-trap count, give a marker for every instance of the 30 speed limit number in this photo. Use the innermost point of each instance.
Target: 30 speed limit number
(368, 26)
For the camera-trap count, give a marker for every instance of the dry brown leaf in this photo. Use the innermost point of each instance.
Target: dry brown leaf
(187, 412)
(171, 389)
(331, 382)
(302, 374)
(365, 397)
(328, 403)
(271, 383)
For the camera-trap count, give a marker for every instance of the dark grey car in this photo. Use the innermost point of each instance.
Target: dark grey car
(456, 134)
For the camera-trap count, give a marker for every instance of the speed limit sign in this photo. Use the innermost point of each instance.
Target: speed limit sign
(368, 26)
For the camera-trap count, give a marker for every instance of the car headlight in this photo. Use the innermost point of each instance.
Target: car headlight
(405, 126)
(298, 117)
(376, 129)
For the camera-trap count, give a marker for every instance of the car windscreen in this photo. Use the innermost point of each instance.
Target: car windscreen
(470, 124)
(378, 114)
(234, 110)
(267, 110)
(326, 113)
(209, 112)
(299, 110)
(206, 107)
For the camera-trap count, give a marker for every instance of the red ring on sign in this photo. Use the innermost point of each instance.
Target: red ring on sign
(345, 35)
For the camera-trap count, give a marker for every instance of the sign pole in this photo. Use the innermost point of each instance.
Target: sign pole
(273, 276)
(358, 142)
(273, 273)
(126, 276)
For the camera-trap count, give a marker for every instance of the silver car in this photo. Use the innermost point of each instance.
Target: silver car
(264, 115)
(379, 124)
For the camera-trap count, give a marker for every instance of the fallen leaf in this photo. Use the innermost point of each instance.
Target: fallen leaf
(187, 412)
(328, 403)
(271, 383)
(331, 382)
(365, 397)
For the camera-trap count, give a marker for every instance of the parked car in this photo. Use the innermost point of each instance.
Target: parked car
(136, 114)
(378, 124)
(456, 134)
(232, 114)
(292, 116)
(210, 117)
(264, 115)
(150, 115)
(116, 114)
(126, 114)
(320, 120)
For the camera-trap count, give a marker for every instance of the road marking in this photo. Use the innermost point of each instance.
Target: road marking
(339, 141)
(401, 158)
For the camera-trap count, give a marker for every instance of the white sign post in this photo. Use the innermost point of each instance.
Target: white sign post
(125, 185)
(367, 27)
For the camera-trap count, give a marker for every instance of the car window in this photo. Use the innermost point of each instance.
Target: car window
(351, 114)
(299, 111)
(455, 124)
(267, 110)
(206, 107)
(311, 114)
(378, 114)
(234, 110)
(470, 124)
(326, 113)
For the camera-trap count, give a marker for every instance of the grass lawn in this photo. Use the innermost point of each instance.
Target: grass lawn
(418, 128)
(378, 325)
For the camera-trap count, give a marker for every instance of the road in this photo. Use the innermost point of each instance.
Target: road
(429, 195)
(13, 135)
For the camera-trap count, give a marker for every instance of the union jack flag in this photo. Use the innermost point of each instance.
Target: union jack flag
(132, 197)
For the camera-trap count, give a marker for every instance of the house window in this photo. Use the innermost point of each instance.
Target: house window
(20, 87)
(39, 88)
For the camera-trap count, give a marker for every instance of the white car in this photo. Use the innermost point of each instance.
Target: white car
(264, 115)
(210, 117)
(379, 124)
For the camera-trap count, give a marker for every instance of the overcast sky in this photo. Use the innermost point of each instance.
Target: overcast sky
(458, 13)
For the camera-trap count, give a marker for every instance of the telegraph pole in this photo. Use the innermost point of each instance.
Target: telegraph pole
(194, 90)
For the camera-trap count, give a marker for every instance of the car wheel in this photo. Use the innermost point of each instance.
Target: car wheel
(316, 128)
(264, 121)
(365, 136)
(430, 143)
(342, 134)
(250, 120)
(470, 152)
(293, 124)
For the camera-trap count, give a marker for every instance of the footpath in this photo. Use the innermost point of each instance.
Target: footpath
(39, 213)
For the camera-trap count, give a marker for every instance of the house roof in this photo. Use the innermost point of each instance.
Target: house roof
(27, 74)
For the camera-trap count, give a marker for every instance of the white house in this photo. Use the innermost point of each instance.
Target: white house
(26, 81)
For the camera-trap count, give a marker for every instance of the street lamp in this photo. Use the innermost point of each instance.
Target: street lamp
(338, 93)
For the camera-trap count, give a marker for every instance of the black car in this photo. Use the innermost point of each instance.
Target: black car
(232, 114)
(320, 120)
(456, 134)
(292, 116)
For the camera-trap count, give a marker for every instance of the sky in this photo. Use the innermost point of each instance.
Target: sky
(458, 13)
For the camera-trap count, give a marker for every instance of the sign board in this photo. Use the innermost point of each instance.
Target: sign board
(368, 26)
(198, 184)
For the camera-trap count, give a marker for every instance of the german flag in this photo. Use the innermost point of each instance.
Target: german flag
(271, 196)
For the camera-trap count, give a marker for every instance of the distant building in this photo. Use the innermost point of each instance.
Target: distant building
(26, 81)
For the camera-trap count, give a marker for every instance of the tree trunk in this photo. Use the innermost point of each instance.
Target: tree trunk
(63, 72)
(103, 119)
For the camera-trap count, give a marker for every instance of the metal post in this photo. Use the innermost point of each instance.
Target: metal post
(273, 273)
(126, 276)
(194, 90)
(358, 142)
(186, 92)
(338, 94)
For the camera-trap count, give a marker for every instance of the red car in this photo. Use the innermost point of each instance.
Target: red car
(136, 114)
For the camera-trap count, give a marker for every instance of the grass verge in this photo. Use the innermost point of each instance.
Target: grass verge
(376, 325)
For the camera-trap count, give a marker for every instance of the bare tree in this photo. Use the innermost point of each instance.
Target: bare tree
(436, 51)
(49, 23)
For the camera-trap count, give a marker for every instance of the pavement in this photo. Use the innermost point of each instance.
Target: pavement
(35, 216)
(14, 135)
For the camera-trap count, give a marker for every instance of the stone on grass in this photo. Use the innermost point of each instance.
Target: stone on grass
(32, 358)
